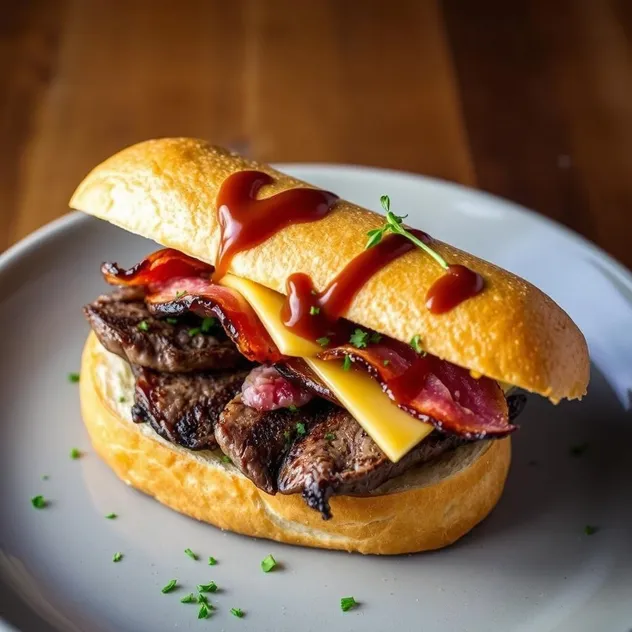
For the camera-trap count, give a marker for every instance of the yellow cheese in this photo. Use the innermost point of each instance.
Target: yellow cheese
(394, 431)
(267, 304)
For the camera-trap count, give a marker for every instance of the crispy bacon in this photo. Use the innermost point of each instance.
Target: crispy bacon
(434, 390)
(425, 386)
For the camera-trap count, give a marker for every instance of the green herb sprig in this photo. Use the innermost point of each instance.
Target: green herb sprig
(268, 563)
(394, 224)
(346, 603)
(169, 586)
(191, 554)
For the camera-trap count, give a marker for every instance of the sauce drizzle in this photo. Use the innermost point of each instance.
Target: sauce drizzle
(455, 286)
(246, 222)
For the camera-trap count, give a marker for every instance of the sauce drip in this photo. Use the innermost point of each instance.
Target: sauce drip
(246, 222)
(455, 286)
(313, 315)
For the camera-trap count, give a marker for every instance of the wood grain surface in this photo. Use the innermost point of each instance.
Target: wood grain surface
(529, 100)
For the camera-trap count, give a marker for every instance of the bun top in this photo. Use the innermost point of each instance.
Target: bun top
(166, 190)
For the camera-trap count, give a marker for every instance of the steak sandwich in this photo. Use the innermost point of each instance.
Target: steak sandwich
(292, 366)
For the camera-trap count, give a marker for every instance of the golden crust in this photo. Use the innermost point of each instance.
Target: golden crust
(427, 508)
(166, 189)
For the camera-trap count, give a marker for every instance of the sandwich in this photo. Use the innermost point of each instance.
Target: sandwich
(292, 366)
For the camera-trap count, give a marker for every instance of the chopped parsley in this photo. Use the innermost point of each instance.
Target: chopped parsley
(169, 587)
(207, 324)
(330, 436)
(190, 598)
(590, 529)
(191, 554)
(237, 612)
(211, 560)
(204, 599)
(203, 612)
(359, 338)
(346, 365)
(194, 331)
(181, 293)
(578, 450)
(386, 362)
(300, 429)
(346, 603)
(172, 321)
(39, 502)
(210, 587)
(314, 310)
(268, 563)
(111, 516)
(287, 435)
(73, 378)
(143, 325)
(375, 337)
(292, 408)
(117, 557)
(122, 399)
(226, 459)
(323, 342)
(75, 453)
(415, 343)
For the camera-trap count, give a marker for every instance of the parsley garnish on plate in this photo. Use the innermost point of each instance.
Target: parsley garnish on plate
(226, 459)
(292, 408)
(346, 364)
(190, 598)
(300, 429)
(111, 516)
(359, 338)
(323, 342)
(386, 362)
(212, 561)
(172, 321)
(39, 502)
(237, 612)
(330, 436)
(181, 293)
(375, 337)
(203, 612)
(75, 453)
(117, 557)
(73, 378)
(45, 477)
(314, 310)
(169, 587)
(590, 529)
(122, 399)
(194, 331)
(191, 554)
(210, 587)
(143, 325)
(415, 343)
(268, 563)
(346, 603)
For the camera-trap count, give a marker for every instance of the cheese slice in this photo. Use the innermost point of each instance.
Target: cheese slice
(395, 431)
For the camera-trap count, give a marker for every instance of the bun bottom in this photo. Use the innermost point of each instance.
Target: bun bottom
(426, 508)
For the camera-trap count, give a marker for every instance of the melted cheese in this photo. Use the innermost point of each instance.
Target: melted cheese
(394, 431)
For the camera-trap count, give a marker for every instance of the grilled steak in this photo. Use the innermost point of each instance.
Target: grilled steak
(338, 457)
(183, 408)
(256, 441)
(124, 326)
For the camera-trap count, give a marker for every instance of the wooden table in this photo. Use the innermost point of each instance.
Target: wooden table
(529, 100)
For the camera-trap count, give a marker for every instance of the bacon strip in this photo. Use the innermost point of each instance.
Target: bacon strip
(434, 390)
(425, 386)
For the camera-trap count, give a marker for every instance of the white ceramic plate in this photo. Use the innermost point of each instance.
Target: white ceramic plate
(528, 567)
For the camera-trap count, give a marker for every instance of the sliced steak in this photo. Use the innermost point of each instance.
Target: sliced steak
(125, 327)
(256, 441)
(338, 457)
(183, 408)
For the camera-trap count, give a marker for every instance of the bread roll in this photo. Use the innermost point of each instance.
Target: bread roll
(166, 190)
(428, 507)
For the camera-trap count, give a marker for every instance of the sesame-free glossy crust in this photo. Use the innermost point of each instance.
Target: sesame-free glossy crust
(166, 190)
(429, 507)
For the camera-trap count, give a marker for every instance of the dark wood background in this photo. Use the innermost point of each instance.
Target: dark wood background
(529, 100)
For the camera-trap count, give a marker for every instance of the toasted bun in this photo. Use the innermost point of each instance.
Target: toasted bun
(166, 190)
(429, 507)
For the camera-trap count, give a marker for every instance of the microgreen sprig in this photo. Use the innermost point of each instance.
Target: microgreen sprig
(394, 224)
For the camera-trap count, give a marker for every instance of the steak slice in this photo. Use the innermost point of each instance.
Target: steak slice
(338, 457)
(183, 408)
(173, 346)
(256, 441)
